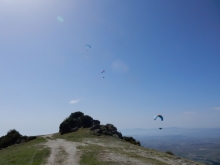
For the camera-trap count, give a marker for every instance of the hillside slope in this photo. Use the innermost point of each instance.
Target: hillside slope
(85, 148)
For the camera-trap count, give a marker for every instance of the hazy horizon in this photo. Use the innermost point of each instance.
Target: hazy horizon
(160, 57)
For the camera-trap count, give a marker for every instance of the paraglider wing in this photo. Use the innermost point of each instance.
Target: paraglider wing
(87, 47)
(161, 117)
(103, 71)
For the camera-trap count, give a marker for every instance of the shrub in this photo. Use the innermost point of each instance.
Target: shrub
(131, 140)
(169, 152)
(64, 128)
(10, 138)
(76, 115)
(87, 121)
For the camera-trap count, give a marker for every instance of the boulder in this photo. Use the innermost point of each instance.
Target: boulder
(97, 131)
(77, 119)
(96, 122)
(95, 127)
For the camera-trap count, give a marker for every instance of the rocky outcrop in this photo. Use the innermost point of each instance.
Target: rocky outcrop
(107, 129)
(79, 120)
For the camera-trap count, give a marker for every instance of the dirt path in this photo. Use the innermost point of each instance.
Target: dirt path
(62, 152)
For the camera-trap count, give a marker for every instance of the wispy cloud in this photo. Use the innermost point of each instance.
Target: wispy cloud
(217, 108)
(60, 19)
(74, 101)
(119, 66)
(190, 112)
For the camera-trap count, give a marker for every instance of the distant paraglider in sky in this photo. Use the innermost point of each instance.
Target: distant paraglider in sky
(160, 116)
(103, 71)
(87, 47)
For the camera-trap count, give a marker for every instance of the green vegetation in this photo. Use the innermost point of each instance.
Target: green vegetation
(131, 140)
(91, 154)
(94, 150)
(169, 152)
(9, 139)
(13, 137)
(25, 153)
(76, 136)
(109, 148)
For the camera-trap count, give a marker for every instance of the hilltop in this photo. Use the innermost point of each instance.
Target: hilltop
(85, 147)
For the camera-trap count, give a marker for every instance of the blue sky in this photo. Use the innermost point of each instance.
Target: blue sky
(159, 57)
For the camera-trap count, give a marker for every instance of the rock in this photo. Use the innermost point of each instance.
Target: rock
(79, 120)
(74, 129)
(97, 131)
(95, 127)
(96, 122)
(119, 135)
(110, 127)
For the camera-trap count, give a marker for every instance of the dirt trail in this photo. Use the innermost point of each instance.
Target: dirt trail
(62, 152)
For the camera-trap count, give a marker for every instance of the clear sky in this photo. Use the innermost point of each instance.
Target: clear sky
(159, 57)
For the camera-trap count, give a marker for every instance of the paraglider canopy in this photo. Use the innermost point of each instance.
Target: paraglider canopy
(87, 47)
(160, 116)
(103, 71)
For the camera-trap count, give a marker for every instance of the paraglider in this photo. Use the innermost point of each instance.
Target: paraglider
(87, 47)
(161, 117)
(103, 71)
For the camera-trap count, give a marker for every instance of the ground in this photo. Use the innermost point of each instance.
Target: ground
(104, 151)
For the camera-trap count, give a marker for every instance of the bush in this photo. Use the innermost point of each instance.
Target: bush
(76, 115)
(87, 121)
(64, 128)
(131, 140)
(169, 152)
(10, 138)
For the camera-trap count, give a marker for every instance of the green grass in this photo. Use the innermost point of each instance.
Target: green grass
(29, 153)
(33, 153)
(90, 152)
(90, 156)
(76, 136)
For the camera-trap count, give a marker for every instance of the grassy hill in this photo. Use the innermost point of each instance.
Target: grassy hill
(90, 150)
